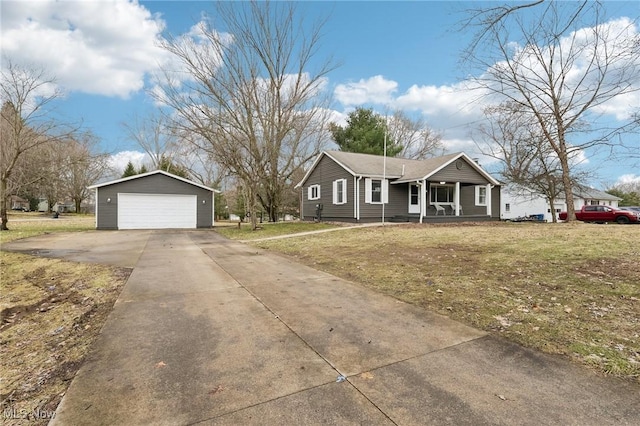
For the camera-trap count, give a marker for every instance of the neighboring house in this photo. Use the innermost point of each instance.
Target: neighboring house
(19, 203)
(518, 202)
(521, 202)
(153, 200)
(350, 187)
(585, 196)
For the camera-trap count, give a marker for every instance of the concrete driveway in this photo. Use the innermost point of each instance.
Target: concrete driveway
(209, 331)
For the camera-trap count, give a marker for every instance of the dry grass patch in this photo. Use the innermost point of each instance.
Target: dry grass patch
(24, 225)
(266, 230)
(563, 289)
(51, 311)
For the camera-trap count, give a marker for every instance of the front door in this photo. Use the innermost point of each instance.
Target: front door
(414, 198)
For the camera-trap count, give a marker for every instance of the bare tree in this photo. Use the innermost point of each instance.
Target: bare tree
(252, 95)
(562, 68)
(418, 140)
(155, 136)
(26, 93)
(82, 166)
(528, 162)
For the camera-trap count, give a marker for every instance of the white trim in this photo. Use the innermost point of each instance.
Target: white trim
(384, 189)
(96, 212)
(477, 195)
(335, 199)
(358, 199)
(315, 163)
(414, 206)
(162, 172)
(488, 199)
(355, 197)
(310, 189)
(456, 199)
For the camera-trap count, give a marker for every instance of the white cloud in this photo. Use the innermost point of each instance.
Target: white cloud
(628, 179)
(118, 161)
(96, 47)
(375, 90)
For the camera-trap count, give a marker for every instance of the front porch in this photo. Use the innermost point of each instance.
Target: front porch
(415, 218)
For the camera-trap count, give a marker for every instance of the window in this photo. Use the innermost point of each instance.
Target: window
(481, 195)
(340, 191)
(507, 207)
(415, 195)
(442, 193)
(376, 191)
(313, 192)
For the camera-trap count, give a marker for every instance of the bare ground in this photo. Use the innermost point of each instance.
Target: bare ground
(51, 311)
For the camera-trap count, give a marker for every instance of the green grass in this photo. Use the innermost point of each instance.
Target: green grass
(266, 230)
(571, 289)
(24, 225)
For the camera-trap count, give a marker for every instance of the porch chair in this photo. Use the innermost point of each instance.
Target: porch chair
(439, 209)
(453, 209)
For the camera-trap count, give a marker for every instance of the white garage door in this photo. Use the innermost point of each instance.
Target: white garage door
(156, 211)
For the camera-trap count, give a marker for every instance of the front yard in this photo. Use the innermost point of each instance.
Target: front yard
(51, 311)
(569, 289)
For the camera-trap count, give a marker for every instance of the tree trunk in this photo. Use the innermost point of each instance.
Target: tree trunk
(566, 183)
(251, 198)
(77, 201)
(552, 200)
(3, 205)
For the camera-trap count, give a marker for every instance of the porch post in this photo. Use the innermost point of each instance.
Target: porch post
(489, 186)
(423, 198)
(456, 199)
(355, 198)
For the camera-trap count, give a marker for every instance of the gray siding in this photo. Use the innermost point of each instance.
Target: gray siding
(325, 172)
(107, 213)
(398, 203)
(466, 174)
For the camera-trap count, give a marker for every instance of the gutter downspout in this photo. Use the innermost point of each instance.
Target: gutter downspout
(358, 199)
(420, 185)
(355, 198)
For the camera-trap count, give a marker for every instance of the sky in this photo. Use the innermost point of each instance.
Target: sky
(393, 55)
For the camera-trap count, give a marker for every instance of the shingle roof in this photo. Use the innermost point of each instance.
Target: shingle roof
(372, 165)
(593, 194)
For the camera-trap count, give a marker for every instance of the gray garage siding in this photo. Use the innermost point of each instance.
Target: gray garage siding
(107, 213)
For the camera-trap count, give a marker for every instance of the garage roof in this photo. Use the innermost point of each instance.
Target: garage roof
(155, 172)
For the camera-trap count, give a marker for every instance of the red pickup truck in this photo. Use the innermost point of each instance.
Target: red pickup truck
(603, 214)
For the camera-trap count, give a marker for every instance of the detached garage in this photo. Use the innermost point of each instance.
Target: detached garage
(154, 200)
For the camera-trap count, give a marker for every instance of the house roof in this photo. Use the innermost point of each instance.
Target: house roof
(588, 193)
(155, 172)
(401, 169)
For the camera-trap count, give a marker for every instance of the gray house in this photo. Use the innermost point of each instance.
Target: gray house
(153, 200)
(349, 187)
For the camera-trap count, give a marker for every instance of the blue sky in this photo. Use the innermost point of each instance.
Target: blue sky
(393, 55)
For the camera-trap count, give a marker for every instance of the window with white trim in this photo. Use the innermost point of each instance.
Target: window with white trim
(313, 192)
(481, 195)
(441, 193)
(340, 191)
(507, 207)
(376, 191)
